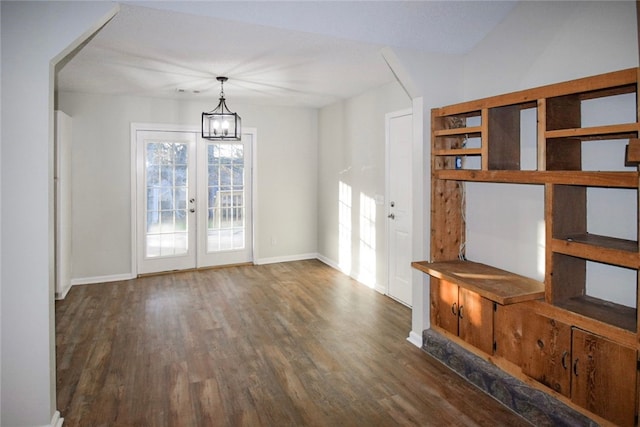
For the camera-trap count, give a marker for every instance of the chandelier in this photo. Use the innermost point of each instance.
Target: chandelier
(221, 124)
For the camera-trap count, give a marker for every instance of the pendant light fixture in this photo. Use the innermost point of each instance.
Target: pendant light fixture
(220, 124)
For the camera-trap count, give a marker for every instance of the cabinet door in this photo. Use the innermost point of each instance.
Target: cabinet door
(546, 352)
(604, 377)
(444, 305)
(475, 315)
(507, 330)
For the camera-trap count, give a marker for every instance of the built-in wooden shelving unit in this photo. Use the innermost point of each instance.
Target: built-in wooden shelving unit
(555, 322)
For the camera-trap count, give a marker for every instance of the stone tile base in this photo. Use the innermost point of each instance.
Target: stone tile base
(533, 405)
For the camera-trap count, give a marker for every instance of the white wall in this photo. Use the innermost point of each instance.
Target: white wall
(34, 36)
(352, 151)
(541, 43)
(286, 170)
(548, 42)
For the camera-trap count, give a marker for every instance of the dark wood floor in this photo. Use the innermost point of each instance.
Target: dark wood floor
(292, 344)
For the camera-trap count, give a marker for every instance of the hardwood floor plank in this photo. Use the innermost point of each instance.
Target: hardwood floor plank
(291, 344)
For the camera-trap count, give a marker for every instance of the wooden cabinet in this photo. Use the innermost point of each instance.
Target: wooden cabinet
(579, 154)
(603, 380)
(464, 295)
(546, 348)
(594, 372)
(508, 322)
(462, 313)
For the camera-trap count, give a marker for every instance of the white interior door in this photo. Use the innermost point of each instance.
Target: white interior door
(398, 148)
(193, 200)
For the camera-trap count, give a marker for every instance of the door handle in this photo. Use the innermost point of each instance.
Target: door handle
(392, 216)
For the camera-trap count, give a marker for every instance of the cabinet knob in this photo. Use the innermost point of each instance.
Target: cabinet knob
(460, 311)
(575, 367)
(454, 309)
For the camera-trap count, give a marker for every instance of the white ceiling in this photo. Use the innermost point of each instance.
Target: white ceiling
(299, 53)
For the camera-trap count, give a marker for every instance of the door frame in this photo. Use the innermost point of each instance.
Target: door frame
(387, 194)
(163, 127)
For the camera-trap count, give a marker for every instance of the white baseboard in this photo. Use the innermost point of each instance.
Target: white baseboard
(331, 263)
(63, 293)
(415, 339)
(377, 287)
(56, 420)
(102, 279)
(288, 258)
(380, 289)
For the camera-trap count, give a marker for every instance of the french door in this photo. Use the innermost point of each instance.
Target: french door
(193, 200)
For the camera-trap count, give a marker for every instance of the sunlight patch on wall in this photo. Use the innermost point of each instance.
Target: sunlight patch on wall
(367, 241)
(344, 227)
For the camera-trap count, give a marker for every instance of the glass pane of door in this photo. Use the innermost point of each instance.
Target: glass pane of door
(226, 197)
(166, 199)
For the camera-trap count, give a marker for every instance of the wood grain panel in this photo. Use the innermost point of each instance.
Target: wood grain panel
(603, 369)
(475, 315)
(546, 348)
(444, 305)
(507, 329)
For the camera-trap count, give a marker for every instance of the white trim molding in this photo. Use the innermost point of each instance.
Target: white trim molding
(415, 339)
(331, 264)
(56, 420)
(102, 279)
(63, 294)
(287, 258)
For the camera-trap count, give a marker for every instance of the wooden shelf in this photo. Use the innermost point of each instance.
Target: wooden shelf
(617, 82)
(564, 127)
(605, 311)
(459, 131)
(458, 152)
(492, 283)
(621, 131)
(610, 250)
(590, 179)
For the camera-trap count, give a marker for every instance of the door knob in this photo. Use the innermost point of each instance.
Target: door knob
(392, 216)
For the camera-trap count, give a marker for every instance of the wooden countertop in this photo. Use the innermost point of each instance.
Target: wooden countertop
(492, 283)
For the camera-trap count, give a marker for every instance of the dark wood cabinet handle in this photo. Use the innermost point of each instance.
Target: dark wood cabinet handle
(460, 311)
(454, 308)
(575, 367)
(564, 359)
